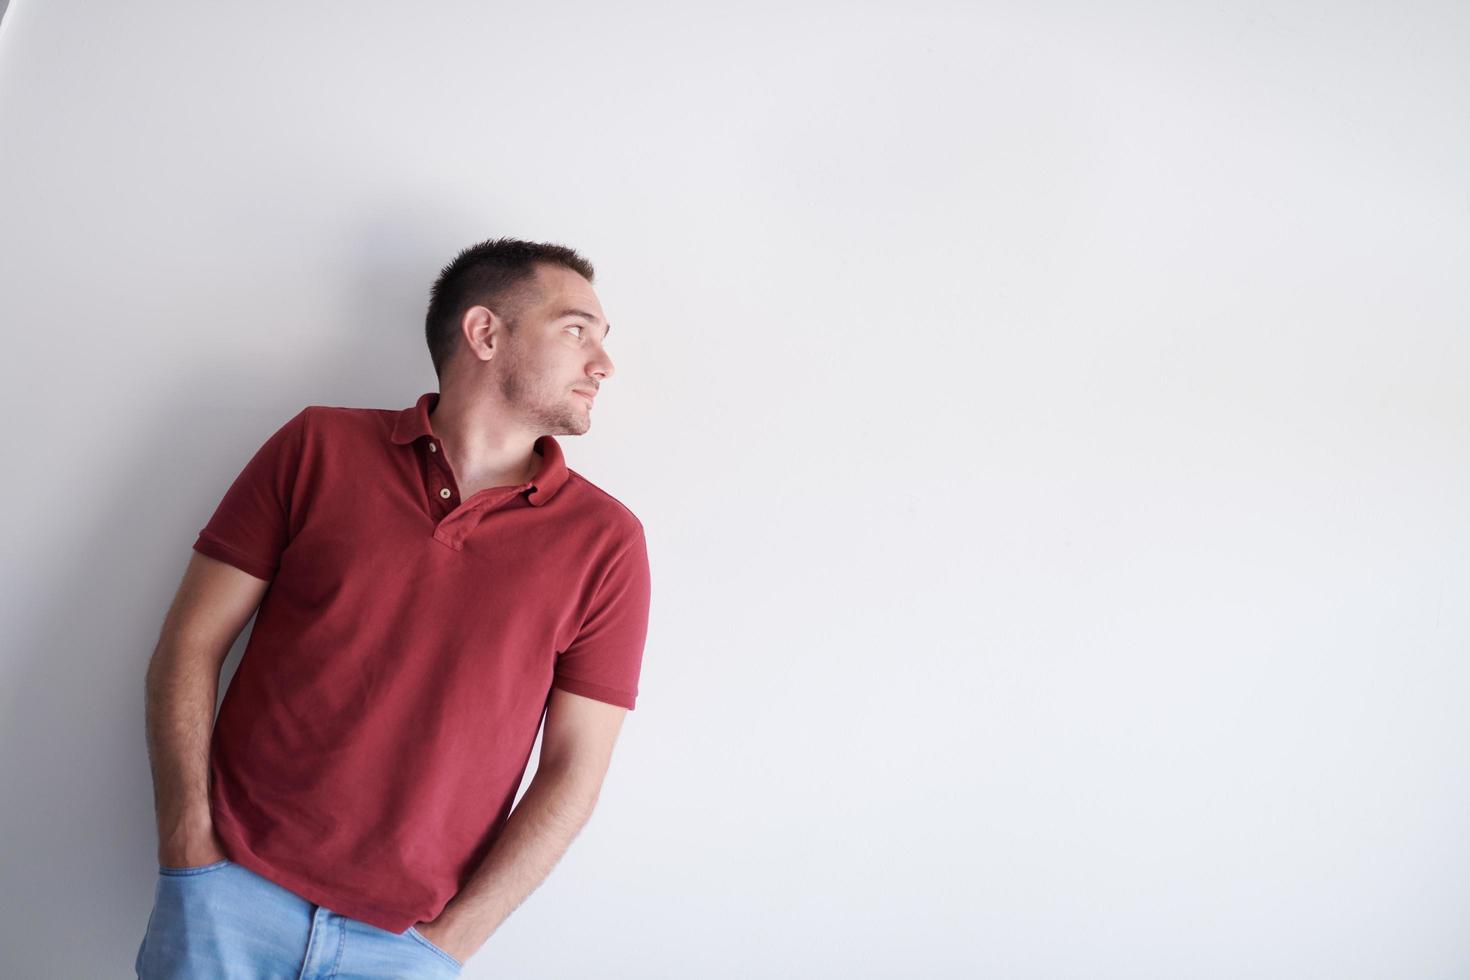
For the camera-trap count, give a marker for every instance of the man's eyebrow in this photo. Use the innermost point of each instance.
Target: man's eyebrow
(567, 313)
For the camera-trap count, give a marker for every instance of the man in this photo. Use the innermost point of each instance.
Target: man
(430, 583)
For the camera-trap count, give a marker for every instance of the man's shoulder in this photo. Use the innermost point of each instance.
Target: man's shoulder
(606, 507)
(346, 414)
(343, 418)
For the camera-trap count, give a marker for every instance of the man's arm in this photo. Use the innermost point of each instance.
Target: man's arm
(212, 605)
(576, 748)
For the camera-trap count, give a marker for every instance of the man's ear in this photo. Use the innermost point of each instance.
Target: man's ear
(483, 331)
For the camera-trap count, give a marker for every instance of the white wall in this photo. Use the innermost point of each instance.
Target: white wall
(1049, 421)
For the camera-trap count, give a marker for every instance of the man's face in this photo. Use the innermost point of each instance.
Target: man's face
(554, 352)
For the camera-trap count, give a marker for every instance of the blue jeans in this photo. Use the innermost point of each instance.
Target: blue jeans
(224, 921)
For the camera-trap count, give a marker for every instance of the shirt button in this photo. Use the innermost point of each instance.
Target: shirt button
(444, 493)
(433, 448)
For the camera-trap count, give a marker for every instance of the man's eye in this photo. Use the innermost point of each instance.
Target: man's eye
(576, 326)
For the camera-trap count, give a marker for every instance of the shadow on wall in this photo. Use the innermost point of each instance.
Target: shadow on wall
(75, 767)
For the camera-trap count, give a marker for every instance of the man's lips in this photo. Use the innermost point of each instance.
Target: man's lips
(589, 395)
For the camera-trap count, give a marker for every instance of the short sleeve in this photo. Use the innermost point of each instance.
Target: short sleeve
(604, 660)
(251, 526)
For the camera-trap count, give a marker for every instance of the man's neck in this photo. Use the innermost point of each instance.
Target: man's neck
(480, 451)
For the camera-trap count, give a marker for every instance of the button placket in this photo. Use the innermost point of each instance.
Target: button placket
(462, 520)
(445, 475)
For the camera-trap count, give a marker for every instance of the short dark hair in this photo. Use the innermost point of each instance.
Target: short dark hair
(494, 273)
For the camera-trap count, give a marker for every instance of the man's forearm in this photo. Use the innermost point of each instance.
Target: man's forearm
(537, 833)
(179, 696)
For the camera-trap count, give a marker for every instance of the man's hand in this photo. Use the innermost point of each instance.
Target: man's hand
(451, 936)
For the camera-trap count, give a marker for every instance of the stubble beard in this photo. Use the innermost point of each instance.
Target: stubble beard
(539, 407)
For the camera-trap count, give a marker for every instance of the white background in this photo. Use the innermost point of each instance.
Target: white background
(1049, 422)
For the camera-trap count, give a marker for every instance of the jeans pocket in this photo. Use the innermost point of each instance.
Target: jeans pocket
(412, 931)
(197, 870)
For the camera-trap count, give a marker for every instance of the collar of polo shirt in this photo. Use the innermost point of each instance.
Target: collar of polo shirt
(413, 424)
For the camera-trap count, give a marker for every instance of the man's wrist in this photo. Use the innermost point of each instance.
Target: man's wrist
(185, 832)
(454, 919)
(455, 931)
(190, 819)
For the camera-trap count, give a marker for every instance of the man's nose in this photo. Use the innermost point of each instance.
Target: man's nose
(602, 367)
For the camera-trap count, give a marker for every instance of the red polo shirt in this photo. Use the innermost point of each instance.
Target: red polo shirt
(370, 745)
